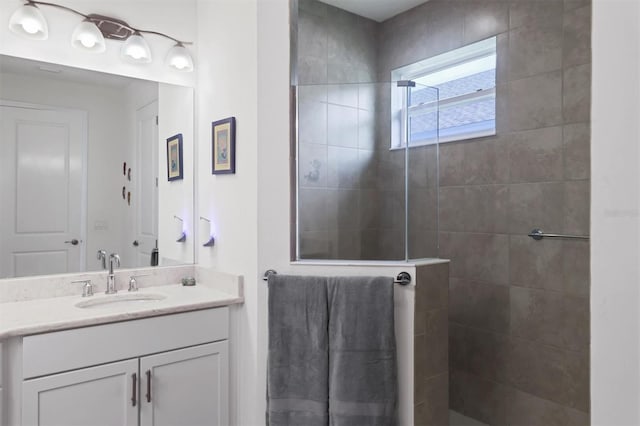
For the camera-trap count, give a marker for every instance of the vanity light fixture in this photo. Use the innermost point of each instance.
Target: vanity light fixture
(136, 49)
(28, 21)
(90, 34)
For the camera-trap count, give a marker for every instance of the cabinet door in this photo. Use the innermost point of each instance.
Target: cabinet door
(186, 387)
(102, 395)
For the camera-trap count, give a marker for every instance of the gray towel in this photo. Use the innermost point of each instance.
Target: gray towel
(362, 358)
(297, 373)
(332, 353)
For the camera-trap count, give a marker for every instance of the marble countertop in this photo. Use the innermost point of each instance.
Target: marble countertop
(26, 317)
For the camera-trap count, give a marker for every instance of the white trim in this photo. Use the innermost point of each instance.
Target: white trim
(481, 50)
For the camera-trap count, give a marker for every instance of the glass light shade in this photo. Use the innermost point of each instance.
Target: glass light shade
(29, 22)
(179, 58)
(88, 37)
(136, 49)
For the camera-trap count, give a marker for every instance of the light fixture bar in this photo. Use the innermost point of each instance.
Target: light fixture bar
(111, 28)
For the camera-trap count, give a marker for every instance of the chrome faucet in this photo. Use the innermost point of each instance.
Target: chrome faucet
(111, 278)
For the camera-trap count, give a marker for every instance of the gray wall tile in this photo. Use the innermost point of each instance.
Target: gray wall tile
(534, 50)
(431, 354)
(342, 127)
(541, 13)
(479, 304)
(575, 266)
(577, 36)
(312, 48)
(483, 19)
(577, 151)
(576, 99)
(577, 203)
(312, 165)
(433, 410)
(312, 114)
(536, 264)
(536, 205)
(556, 374)
(481, 353)
(536, 155)
(477, 208)
(423, 209)
(483, 257)
(343, 168)
(575, 4)
(314, 217)
(528, 410)
(432, 287)
(537, 101)
(480, 399)
(481, 161)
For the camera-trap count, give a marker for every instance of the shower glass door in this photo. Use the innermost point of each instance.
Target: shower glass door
(355, 151)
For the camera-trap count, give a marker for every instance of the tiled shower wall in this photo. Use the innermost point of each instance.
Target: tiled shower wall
(519, 309)
(336, 131)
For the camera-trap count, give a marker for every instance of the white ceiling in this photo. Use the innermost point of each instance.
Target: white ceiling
(14, 65)
(378, 10)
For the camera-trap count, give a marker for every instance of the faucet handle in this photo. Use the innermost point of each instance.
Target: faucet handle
(133, 283)
(114, 258)
(87, 288)
(102, 255)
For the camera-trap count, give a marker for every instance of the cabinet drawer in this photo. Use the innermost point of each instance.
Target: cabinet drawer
(71, 349)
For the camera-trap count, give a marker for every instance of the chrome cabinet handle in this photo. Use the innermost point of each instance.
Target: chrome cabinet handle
(134, 391)
(148, 373)
(73, 242)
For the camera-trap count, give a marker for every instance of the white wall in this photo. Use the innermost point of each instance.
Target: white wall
(173, 17)
(227, 86)
(106, 147)
(615, 214)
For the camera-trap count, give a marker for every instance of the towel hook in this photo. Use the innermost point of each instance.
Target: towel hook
(268, 272)
(403, 278)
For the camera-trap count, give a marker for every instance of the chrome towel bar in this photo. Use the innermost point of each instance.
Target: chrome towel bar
(538, 234)
(403, 278)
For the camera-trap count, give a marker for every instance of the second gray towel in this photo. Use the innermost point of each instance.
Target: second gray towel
(297, 381)
(332, 352)
(362, 359)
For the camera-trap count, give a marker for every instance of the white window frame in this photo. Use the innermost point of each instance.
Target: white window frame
(482, 49)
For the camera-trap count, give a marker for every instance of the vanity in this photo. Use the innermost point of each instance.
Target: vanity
(156, 356)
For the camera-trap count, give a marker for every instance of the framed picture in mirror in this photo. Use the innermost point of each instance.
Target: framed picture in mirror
(223, 146)
(174, 157)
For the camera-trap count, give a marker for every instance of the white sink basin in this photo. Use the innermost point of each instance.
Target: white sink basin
(120, 301)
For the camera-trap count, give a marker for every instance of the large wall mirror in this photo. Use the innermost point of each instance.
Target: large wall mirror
(83, 168)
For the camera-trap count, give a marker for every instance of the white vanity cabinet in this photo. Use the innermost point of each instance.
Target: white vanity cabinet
(184, 387)
(91, 396)
(167, 370)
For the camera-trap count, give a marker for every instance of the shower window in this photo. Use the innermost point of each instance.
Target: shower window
(466, 81)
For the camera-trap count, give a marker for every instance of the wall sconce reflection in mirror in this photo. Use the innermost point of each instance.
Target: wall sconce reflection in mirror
(182, 236)
(90, 34)
(205, 232)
